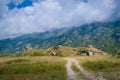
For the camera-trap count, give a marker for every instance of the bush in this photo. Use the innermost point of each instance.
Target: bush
(78, 54)
(19, 55)
(38, 54)
(59, 53)
(116, 56)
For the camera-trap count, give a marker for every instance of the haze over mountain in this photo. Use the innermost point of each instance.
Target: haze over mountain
(45, 23)
(18, 17)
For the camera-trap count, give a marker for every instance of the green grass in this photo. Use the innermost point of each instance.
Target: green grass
(53, 68)
(100, 65)
(39, 54)
(15, 61)
(36, 53)
(108, 66)
(59, 53)
(116, 56)
(74, 68)
(80, 75)
(21, 69)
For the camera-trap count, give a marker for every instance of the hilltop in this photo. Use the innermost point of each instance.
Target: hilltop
(63, 51)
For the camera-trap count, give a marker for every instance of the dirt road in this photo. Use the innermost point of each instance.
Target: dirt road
(72, 75)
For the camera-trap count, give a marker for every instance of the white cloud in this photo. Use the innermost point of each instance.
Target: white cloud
(49, 14)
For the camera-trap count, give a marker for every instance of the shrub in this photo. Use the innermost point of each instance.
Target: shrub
(78, 54)
(116, 56)
(59, 53)
(19, 55)
(38, 53)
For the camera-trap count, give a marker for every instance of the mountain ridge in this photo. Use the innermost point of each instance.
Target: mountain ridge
(104, 36)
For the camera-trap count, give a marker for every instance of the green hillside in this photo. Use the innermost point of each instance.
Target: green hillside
(104, 36)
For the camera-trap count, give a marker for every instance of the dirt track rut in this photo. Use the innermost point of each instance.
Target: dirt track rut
(72, 75)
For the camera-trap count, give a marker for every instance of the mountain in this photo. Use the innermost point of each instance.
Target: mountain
(104, 36)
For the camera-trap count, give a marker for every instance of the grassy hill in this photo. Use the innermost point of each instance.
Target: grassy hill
(61, 51)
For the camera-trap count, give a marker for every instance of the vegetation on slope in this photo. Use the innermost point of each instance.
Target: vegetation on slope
(105, 65)
(29, 68)
(105, 36)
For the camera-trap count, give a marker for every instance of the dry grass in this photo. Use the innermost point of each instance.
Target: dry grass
(53, 68)
(65, 51)
(105, 65)
(32, 68)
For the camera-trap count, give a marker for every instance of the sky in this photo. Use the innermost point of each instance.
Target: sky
(18, 17)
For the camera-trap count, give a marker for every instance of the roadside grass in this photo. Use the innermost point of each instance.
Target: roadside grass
(78, 72)
(33, 68)
(74, 68)
(105, 65)
(100, 65)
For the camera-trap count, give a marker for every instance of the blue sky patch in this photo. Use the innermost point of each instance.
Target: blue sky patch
(25, 3)
(85, 0)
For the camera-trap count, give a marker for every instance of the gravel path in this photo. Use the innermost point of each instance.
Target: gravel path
(72, 75)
